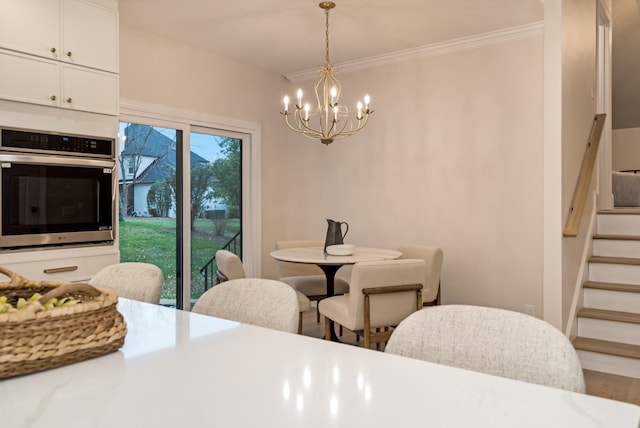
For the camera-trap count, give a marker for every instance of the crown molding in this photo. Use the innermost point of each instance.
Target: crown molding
(501, 36)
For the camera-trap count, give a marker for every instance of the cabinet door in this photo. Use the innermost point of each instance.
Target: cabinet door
(89, 90)
(31, 26)
(29, 79)
(90, 35)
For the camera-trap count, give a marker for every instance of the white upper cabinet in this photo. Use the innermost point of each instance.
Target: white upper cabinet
(31, 26)
(29, 79)
(60, 53)
(90, 35)
(89, 90)
(73, 31)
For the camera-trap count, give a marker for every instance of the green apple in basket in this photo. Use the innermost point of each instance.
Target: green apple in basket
(5, 306)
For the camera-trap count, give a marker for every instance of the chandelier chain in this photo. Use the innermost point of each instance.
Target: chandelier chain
(326, 58)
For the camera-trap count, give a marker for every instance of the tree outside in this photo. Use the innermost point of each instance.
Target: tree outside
(227, 185)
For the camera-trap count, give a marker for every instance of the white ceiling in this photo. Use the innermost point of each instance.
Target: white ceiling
(287, 36)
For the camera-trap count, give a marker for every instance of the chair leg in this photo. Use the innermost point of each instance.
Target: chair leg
(317, 313)
(327, 328)
(300, 323)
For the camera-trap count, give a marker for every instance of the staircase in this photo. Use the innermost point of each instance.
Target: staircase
(609, 322)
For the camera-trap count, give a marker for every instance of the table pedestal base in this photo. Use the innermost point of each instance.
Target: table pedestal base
(330, 274)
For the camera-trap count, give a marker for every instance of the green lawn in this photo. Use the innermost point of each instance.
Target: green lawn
(153, 240)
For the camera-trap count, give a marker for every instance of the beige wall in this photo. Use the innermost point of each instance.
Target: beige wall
(165, 73)
(452, 156)
(626, 149)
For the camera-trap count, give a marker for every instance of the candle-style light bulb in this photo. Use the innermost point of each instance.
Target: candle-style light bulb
(366, 101)
(334, 94)
(286, 103)
(359, 114)
(306, 111)
(299, 94)
(335, 114)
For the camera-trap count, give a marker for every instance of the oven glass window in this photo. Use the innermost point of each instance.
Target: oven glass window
(52, 199)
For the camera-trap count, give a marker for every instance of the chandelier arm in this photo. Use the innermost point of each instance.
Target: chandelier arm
(344, 125)
(304, 128)
(345, 133)
(298, 123)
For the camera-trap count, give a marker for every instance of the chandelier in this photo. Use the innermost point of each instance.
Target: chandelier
(328, 120)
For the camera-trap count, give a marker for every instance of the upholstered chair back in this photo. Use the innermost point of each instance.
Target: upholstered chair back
(229, 264)
(386, 309)
(490, 340)
(433, 257)
(262, 302)
(132, 280)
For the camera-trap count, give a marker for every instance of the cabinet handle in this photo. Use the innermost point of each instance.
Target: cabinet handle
(53, 50)
(61, 269)
(69, 100)
(69, 54)
(53, 98)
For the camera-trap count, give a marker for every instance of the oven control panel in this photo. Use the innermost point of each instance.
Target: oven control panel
(38, 142)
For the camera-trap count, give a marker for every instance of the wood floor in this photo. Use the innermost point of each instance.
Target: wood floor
(600, 384)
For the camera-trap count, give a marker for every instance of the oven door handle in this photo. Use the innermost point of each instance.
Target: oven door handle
(6, 159)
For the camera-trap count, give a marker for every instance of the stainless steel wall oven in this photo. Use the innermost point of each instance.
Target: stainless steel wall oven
(55, 189)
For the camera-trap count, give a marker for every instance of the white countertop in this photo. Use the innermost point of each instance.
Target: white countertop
(179, 369)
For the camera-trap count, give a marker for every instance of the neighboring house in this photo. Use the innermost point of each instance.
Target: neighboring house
(147, 158)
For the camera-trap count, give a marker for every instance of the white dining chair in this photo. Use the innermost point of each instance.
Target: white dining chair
(490, 340)
(229, 266)
(132, 280)
(262, 302)
(382, 294)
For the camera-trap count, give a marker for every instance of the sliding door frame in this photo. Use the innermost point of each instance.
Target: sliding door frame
(249, 133)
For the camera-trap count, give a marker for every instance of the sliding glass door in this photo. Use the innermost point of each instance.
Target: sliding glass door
(180, 201)
(216, 203)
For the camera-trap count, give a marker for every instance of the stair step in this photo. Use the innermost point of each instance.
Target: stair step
(610, 272)
(601, 314)
(618, 222)
(606, 347)
(612, 286)
(615, 260)
(607, 363)
(612, 297)
(620, 211)
(616, 246)
(617, 237)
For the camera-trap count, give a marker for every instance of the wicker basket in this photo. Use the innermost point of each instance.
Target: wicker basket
(33, 339)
